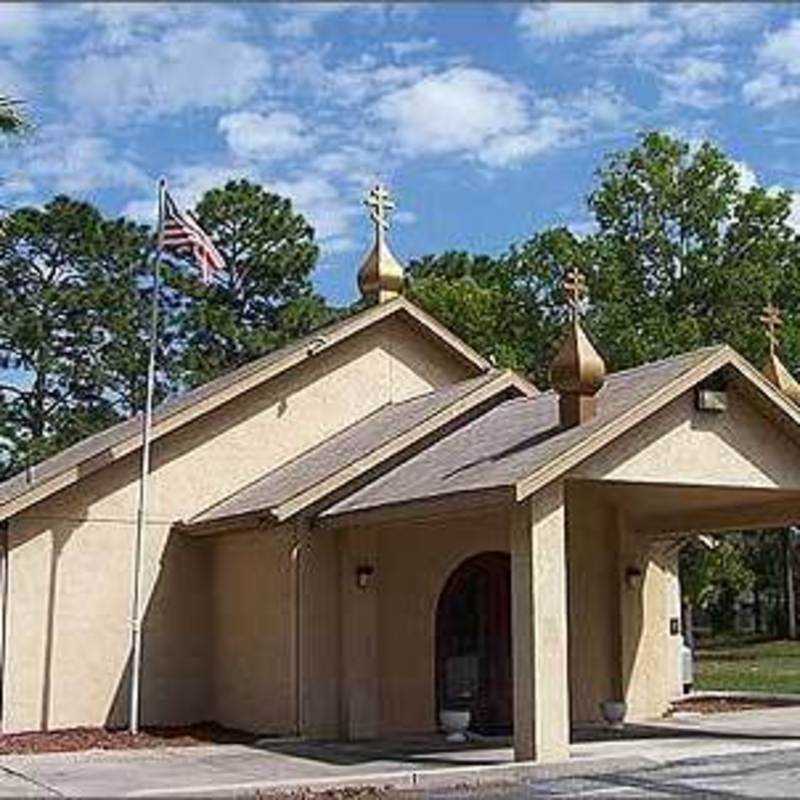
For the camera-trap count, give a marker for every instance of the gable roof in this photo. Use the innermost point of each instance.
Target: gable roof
(519, 446)
(107, 446)
(360, 448)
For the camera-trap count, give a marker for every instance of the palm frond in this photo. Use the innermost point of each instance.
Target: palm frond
(12, 120)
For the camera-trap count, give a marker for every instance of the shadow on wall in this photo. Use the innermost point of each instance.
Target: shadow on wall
(176, 646)
(59, 537)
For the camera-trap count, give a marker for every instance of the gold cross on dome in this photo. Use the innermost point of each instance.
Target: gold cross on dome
(771, 319)
(575, 288)
(380, 203)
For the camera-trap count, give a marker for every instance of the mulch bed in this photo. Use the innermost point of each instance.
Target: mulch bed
(345, 793)
(717, 705)
(75, 739)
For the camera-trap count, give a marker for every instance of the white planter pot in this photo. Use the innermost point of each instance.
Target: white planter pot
(613, 712)
(455, 724)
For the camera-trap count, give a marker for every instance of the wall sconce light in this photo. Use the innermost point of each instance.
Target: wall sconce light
(364, 575)
(633, 577)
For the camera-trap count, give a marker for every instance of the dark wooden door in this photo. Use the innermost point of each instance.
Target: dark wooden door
(473, 642)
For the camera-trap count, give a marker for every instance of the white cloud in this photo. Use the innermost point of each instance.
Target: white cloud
(19, 22)
(482, 116)
(460, 109)
(60, 160)
(12, 81)
(276, 135)
(781, 49)
(711, 20)
(323, 205)
(695, 82)
(768, 90)
(186, 68)
(663, 24)
(778, 57)
(300, 19)
(409, 47)
(349, 83)
(746, 174)
(554, 21)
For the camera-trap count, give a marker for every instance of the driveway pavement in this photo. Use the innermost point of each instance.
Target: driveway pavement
(736, 749)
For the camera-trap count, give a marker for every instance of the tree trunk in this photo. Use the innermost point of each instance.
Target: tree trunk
(757, 611)
(791, 610)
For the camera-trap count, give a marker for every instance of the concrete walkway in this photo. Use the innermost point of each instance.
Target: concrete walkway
(422, 764)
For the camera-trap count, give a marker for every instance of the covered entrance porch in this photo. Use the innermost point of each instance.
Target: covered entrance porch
(530, 613)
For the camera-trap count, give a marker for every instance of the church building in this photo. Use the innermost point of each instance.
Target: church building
(373, 524)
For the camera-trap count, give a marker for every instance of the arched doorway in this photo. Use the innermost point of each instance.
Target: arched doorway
(473, 642)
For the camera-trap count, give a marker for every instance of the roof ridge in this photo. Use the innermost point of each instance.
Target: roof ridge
(685, 356)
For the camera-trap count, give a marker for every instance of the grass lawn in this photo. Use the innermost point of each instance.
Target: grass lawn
(749, 666)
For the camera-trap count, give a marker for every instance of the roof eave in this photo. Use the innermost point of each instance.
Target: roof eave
(720, 357)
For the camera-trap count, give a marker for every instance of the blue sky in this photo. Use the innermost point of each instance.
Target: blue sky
(487, 121)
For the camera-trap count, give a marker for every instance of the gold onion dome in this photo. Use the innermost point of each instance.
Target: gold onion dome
(577, 372)
(777, 374)
(577, 368)
(381, 276)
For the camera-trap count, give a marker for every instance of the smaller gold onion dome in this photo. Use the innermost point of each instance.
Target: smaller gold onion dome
(577, 368)
(779, 376)
(381, 276)
(774, 370)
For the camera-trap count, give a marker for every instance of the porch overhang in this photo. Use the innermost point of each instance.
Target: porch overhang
(656, 508)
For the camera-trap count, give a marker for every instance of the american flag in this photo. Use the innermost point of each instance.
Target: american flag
(182, 234)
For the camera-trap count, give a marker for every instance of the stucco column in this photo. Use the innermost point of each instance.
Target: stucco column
(539, 627)
(359, 609)
(647, 648)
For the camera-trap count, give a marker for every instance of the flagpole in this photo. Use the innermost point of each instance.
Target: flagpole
(141, 514)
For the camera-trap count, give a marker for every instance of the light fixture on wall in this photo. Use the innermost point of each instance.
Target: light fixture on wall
(633, 577)
(364, 574)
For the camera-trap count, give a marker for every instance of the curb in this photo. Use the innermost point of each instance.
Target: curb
(792, 699)
(417, 780)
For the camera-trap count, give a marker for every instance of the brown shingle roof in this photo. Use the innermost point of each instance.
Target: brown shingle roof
(352, 445)
(513, 440)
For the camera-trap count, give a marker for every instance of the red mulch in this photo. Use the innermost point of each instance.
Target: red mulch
(73, 739)
(716, 705)
(345, 793)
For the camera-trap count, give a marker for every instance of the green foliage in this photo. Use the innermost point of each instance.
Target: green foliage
(75, 304)
(709, 573)
(261, 300)
(474, 298)
(683, 256)
(70, 340)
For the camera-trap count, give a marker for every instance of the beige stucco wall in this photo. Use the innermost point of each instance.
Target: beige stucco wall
(413, 564)
(682, 445)
(620, 641)
(69, 556)
(593, 607)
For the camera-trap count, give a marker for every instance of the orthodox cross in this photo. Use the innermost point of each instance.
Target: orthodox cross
(575, 288)
(771, 319)
(380, 203)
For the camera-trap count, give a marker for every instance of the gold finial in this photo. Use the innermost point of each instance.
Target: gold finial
(381, 276)
(577, 372)
(771, 319)
(575, 289)
(774, 370)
